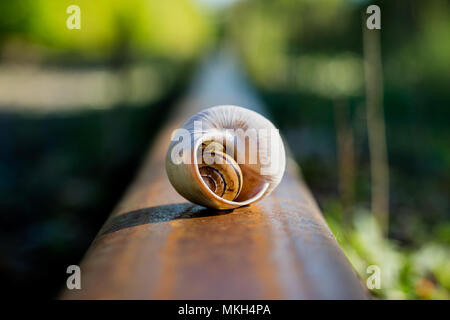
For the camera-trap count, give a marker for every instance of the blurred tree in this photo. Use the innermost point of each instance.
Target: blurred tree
(346, 157)
(376, 127)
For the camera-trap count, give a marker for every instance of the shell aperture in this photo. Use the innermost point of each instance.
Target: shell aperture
(220, 171)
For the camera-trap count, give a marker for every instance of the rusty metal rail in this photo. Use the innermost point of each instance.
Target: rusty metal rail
(155, 245)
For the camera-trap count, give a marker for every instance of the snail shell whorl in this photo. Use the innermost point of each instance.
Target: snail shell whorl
(223, 175)
(227, 183)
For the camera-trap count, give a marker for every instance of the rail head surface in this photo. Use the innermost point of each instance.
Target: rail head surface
(156, 245)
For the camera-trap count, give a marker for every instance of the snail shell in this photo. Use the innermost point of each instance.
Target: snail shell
(225, 157)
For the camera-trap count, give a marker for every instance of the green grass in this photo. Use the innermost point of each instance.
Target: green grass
(421, 271)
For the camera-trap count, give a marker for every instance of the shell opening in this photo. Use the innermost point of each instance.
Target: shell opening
(224, 178)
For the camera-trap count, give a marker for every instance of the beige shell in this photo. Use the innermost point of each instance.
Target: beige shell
(240, 131)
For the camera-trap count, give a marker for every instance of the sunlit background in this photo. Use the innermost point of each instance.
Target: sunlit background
(79, 108)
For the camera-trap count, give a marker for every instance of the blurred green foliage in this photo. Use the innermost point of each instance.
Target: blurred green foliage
(304, 56)
(421, 272)
(174, 29)
(61, 174)
(68, 150)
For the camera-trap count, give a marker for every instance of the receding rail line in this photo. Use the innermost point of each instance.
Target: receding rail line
(155, 245)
